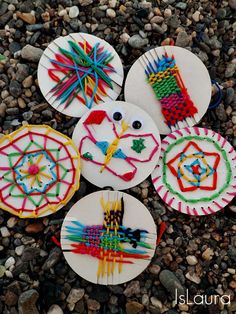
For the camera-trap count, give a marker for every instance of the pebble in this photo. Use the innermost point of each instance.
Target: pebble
(2, 271)
(27, 115)
(181, 5)
(5, 232)
(208, 254)
(27, 302)
(3, 108)
(124, 38)
(230, 70)
(171, 283)
(157, 303)
(191, 260)
(19, 250)
(34, 228)
(52, 259)
(26, 17)
(73, 12)
(15, 88)
(55, 309)
(111, 13)
(193, 277)
(22, 72)
(10, 262)
(154, 269)
(30, 253)
(133, 288)
(136, 41)
(31, 53)
(183, 39)
(232, 4)
(93, 305)
(28, 81)
(84, 3)
(112, 3)
(196, 16)
(133, 307)
(75, 295)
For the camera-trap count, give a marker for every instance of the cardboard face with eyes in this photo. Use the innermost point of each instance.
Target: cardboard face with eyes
(119, 145)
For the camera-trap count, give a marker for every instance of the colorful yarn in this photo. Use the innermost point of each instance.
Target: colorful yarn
(193, 175)
(41, 172)
(108, 242)
(85, 71)
(164, 77)
(117, 147)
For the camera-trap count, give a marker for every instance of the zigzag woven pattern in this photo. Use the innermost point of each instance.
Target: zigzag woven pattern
(164, 77)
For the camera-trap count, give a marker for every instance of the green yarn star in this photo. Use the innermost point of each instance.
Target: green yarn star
(88, 156)
(138, 145)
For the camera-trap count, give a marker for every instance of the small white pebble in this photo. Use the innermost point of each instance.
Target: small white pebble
(12, 222)
(196, 16)
(111, 13)
(231, 271)
(124, 37)
(191, 260)
(167, 13)
(9, 262)
(8, 274)
(62, 12)
(73, 12)
(112, 3)
(19, 250)
(5, 232)
(11, 7)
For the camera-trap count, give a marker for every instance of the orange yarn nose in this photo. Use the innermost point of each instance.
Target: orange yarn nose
(33, 169)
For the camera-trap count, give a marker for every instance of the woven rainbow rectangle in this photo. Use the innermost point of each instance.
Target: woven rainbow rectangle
(164, 76)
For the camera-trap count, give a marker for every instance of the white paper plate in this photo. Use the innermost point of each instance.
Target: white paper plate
(213, 161)
(89, 212)
(194, 75)
(76, 108)
(138, 149)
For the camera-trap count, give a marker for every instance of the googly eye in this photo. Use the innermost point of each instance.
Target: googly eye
(117, 116)
(137, 124)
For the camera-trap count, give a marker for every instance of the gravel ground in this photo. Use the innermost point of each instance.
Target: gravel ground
(198, 254)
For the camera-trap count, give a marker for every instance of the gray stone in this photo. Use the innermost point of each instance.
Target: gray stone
(221, 114)
(84, 3)
(221, 14)
(14, 47)
(27, 115)
(136, 41)
(15, 88)
(5, 18)
(27, 302)
(181, 5)
(183, 39)
(3, 8)
(22, 72)
(171, 283)
(73, 12)
(34, 27)
(230, 70)
(52, 259)
(30, 253)
(173, 22)
(75, 295)
(133, 288)
(229, 96)
(232, 4)
(31, 53)
(55, 309)
(12, 111)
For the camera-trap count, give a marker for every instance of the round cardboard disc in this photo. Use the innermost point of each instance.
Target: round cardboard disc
(39, 171)
(119, 145)
(172, 85)
(196, 173)
(78, 72)
(108, 237)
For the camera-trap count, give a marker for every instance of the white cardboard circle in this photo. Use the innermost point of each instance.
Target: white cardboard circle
(194, 74)
(148, 157)
(32, 195)
(218, 155)
(89, 211)
(46, 83)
